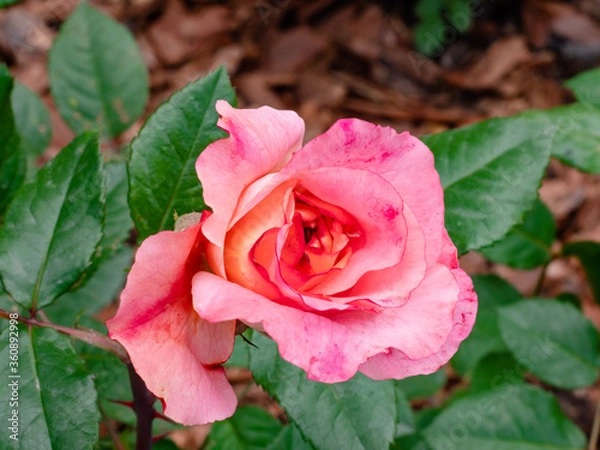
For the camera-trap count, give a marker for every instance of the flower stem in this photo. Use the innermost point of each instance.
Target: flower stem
(87, 335)
(595, 428)
(143, 401)
(540, 282)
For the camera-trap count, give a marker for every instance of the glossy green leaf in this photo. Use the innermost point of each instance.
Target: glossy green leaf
(485, 337)
(588, 254)
(290, 438)
(250, 428)
(97, 74)
(12, 159)
(490, 172)
(98, 291)
(357, 414)
(53, 225)
(494, 370)
(528, 245)
(554, 340)
(162, 174)
(512, 417)
(118, 223)
(56, 396)
(422, 386)
(577, 140)
(32, 119)
(586, 86)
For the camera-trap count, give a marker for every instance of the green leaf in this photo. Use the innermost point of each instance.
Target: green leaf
(56, 396)
(290, 438)
(490, 172)
(427, 36)
(357, 414)
(494, 370)
(53, 225)
(411, 442)
(554, 340)
(528, 245)
(164, 444)
(512, 417)
(32, 119)
(577, 140)
(162, 174)
(97, 74)
(250, 428)
(422, 386)
(5, 3)
(405, 419)
(586, 87)
(12, 159)
(485, 337)
(98, 291)
(459, 14)
(588, 253)
(240, 356)
(118, 223)
(429, 8)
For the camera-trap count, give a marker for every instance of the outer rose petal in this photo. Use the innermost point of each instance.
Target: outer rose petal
(401, 159)
(331, 349)
(171, 347)
(327, 351)
(261, 141)
(396, 364)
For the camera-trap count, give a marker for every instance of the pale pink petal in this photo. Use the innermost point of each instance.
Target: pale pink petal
(401, 159)
(171, 347)
(396, 364)
(420, 326)
(260, 141)
(391, 286)
(329, 352)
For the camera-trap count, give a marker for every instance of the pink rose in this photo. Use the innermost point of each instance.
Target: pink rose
(337, 250)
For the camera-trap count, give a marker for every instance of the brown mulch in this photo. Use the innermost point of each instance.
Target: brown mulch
(328, 59)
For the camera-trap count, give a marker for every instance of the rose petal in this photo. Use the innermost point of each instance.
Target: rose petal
(401, 159)
(392, 286)
(396, 364)
(170, 346)
(330, 349)
(242, 239)
(419, 327)
(327, 351)
(260, 141)
(376, 207)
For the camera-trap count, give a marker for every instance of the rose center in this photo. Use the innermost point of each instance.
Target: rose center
(321, 239)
